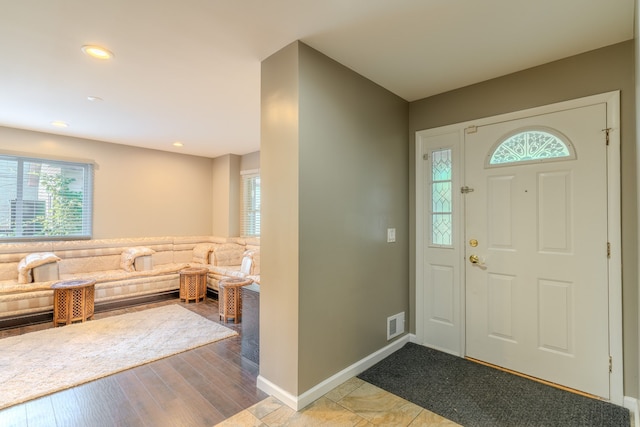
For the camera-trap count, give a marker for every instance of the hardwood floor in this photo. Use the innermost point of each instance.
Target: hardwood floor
(200, 387)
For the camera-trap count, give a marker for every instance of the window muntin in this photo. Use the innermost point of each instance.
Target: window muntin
(44, 199)
(250, 212)
(441, 193)
(531, 146)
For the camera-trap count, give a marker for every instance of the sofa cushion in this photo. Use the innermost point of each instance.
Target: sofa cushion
(45, 272)
(118, 275)
(12, 287)
(33, 260)
(227, 255)
(251, 262)
(129, 256)
(201, 252)
(226, 271)
(143, 263)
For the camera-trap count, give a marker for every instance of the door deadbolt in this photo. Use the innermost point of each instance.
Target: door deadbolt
(473, 243)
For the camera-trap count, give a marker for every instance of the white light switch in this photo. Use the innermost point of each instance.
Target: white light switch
(391, 235)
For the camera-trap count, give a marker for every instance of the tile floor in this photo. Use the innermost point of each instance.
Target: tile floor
(354, 403)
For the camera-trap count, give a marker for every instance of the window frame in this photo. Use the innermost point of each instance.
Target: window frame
(250, 227)
(17, 181)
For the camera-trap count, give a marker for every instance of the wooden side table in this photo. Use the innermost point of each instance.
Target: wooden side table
(230, 298)
(193, 284)
(73, 300)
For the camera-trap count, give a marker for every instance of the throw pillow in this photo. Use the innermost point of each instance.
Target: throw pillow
(201, 252)
(129, 256)
(31, 261)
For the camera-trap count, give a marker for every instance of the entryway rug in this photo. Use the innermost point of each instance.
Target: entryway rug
(472, 394)
(42, 362)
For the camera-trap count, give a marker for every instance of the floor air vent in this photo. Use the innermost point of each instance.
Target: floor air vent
(395, 325)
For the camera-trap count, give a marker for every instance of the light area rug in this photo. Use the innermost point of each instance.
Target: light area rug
(43, 362)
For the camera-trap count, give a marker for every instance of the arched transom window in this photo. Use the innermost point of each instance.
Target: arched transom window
(531, 146)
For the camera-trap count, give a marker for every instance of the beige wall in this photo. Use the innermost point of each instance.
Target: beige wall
(137, 192)
(142, 192)
(343, 182)
(599, 71)
(226, 195)
(353, 186)
(279, 220)
(250, 161)
(227, 191)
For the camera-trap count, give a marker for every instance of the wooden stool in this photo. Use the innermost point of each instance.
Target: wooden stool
(193, 284)
(230, 298)
(73, 300)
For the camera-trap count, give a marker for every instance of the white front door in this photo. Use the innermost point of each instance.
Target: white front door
(536, 286)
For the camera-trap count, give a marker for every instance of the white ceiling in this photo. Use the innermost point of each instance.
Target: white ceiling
(189, 70)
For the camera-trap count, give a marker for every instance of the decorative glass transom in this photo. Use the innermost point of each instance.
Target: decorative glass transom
(528, 146)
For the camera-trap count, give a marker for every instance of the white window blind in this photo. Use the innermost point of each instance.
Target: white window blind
(44, 199)
(250, 209)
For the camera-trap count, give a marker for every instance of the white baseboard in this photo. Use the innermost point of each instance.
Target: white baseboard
(273, 390)
(319, 390)
(631, 403)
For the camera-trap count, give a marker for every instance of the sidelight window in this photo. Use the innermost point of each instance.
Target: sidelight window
(441, 210)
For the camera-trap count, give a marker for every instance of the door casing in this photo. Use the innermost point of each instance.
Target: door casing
(456, 345)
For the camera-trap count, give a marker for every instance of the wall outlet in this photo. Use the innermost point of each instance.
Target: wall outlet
(391, 235)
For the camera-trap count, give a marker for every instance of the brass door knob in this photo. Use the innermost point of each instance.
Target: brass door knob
(475, 260)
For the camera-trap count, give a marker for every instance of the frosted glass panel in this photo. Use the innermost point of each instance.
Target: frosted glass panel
(441, 165)
(441, 229)
(441, 197)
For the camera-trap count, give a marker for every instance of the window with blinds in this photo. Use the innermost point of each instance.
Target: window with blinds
(250, 210)
(44, 199)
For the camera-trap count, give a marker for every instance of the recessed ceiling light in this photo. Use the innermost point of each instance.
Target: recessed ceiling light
(97, 52)
(60, 124)
(178, 144)
(94, 98)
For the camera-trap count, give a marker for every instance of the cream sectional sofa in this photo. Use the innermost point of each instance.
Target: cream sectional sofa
(124, 269)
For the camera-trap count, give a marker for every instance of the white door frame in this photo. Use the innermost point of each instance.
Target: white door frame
(612, 99)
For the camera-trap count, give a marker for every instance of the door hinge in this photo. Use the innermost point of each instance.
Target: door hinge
(607, 131)
(471, 129)
(610, 364)
(608, 250)
(465, 190)
(425, 156)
